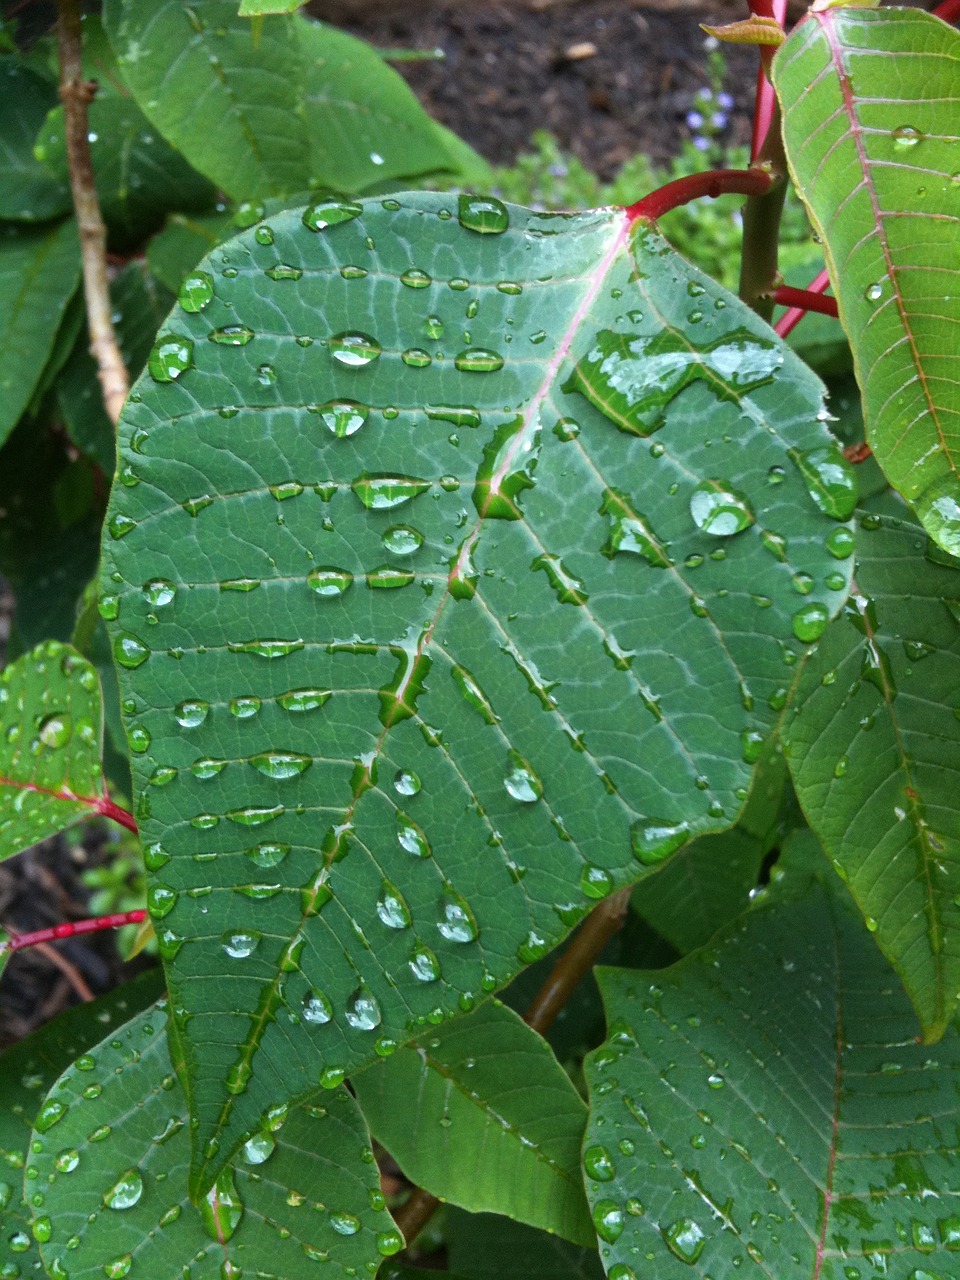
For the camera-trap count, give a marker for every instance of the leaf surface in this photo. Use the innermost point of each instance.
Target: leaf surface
(762, 1109)
(874, 747)
(405, 621)
(481, 1114)
(293, 107)
(39, 271)
(51, 728)
(27, 191)
(485, 1246)
(869, 99)
(111, 1151)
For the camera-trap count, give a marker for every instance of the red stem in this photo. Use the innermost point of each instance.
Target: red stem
(949, 11)
(717, 182)
(766, 100)
(17, 941)
(792, 318)
(107, 809)
(103, 806)
(806, 300)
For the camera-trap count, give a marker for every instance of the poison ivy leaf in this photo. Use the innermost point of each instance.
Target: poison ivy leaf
(139, 176)
(300, 106)
(874, 746)
(51, 724)
(27, 191)
(481, 1114)
(484, 1246)
(139, 304)
(406, 574)
(39, 271)
(877, 168)
(26, 1073)
(111, 1151)
(763, 1109)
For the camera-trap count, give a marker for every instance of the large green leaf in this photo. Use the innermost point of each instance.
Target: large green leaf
(110, 1152)
(874, 745)
(51, 727)
(763, 1109)
(27, 1072)
(480, 1113)
(39, 270)
(27, 191)
(484, 1246)
(869, 100)
(391, 585)
(293, 107)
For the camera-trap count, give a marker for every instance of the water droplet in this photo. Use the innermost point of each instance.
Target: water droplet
(328, 581)
(196, 291)
(830, 479)
(255, 815)
(478, 360)
(389, 1243)
(231, 335)
(221, 1209)
(388, 577)
(873, 292)
(330, 213)
(520, 781)
(608, 1220)
(158, 592)
(473, 694)
(120, 526)
(317, 1009)
(281, 765)
(244, 708)
(380, 492)
(416, 358)
(685, 1239)
(596, 882)
(258, 1149)
(345, 1224)
(414, 278)
(239, 945)
(567, 588)
(55, 730)
(267, 854)
(810, 622)
(193, 506)
(269, 649)
(191, 714)
(284, 271)
(456, 921)
(905, 135)
(282, 492)
(598, 1164)
(411, 838)
(424, 964)
(354, 349)
(719, 509)
(130, 651)
(629, 530)
(939, 509)
(840, 543)
(170, 356)
(353, 273)
(483, 214)
(125, 1192)
(343, 417)
(362, 1011)
(401, 540)
(653, 839)
(406, 783)
(391, 907)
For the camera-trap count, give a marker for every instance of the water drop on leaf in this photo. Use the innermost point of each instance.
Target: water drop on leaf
(125, 1192)
(171, 355)
(719, 509)
(810, 622)
(343, 417)
(685, 1239)
(520, 781)
(196, 291)
(830, 479)
(483, 214)
(330, 213)
(653, 839)
(608, 1220)
(354, 349)
(478, 360)
(362, 1011)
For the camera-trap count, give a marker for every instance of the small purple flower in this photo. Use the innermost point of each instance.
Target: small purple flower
(702, 144)
(705, 95)
(719, 119)
(694, 120)
(725, 101)
(558, 171)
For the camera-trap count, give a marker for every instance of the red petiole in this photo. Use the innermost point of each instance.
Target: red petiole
(17, 941)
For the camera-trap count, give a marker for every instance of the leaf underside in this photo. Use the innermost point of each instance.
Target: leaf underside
(869, 100)
(762, 1109)
(421, 652)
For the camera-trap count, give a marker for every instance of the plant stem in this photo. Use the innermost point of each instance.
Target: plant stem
(17, 941)
(76, 93)
(804, 300)
(949, 11)
(600, 926)
(107, 809)
(792, 318)
(716, 182)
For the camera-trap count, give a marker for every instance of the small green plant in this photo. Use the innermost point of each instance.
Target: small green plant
(450, 596)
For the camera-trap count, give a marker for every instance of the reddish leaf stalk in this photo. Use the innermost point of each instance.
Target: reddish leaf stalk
(766, 100)
(805, 300)
(102, 806)
(717, 182)
(792, 318)
(949, 11)
(17, 941)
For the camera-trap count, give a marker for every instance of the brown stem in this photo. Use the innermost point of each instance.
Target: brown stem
(603, 923)
(761, 224)
(75, 94)
(69, 971)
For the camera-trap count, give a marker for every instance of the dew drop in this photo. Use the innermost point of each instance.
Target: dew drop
(810, 622)
(354, 349)
(316, 1009)
(402, 540)
(598, 1164)
(424, 965)
(120, 526)
(388, 577)
(231, 335)
(411, 838)
(55, 730)
(719, 509)
(653, 839)
(520, 781)
(345, 1224)
(905, 135)
(170, 356)
(685, 1239)
(830, 480)
(381, 492)
(362, 1011)
(389, 1243)
(596, 882)
(244, 707)
(130, 651)
(608, 1220)
(125, 1192)
(406, 783)
(391, 907)
(343, 417)
(414, 278)
(301, 700)
(280, 765)
(483, 214)
(874, 292)
(840, 543)
(258, 1149)
(239, 945)
(191, 714)
(158, 592)
(456, 921)
(328, 581)
(416, 358)
(196, 291)
(266, 854)
(478, 360)
(939, 509)
(284, 271)
(221, 1209)
(330, 213)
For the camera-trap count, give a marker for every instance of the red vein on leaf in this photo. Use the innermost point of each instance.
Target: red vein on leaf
(102, 806)
(788, 322)
(717, 182)
(17, 941)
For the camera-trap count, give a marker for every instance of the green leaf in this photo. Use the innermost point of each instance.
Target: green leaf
(254, 8)
(39, 270)
(111, 1151)
(173, 252)
(874, 746)
(295, 107)
(481, 1114)
(27, 191)
(483, 1246)
(139, 305)
(51, 726)
(869, 105)
(762, 1109)
(139, 176)
(377, 606)
(27, 1072)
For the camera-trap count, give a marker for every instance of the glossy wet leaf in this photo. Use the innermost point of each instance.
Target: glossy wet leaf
(27, 191)
(869, 101)
(39, 271)
(27, 1072)
(111, 1152)
(51, 724)
(486, 1246)
(555, 691)
(173, 252)
(874, 746)
(766, 1111)
(293, 107)
(482, 1115)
